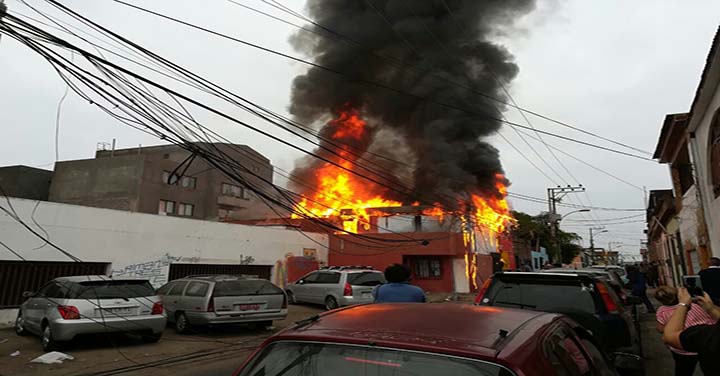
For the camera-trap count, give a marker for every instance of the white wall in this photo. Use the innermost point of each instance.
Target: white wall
(461, 282)
(700, 155)
(145, 244)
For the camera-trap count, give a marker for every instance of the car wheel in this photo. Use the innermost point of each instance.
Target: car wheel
(20, 325)
(330, 303)
(181, 324)
(291, 298)
(48, 343)
(151, 337)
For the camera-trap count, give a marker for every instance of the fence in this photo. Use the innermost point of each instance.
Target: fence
(19, 276)
(182, 270)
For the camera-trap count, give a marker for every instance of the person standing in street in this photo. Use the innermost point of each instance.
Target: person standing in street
(639, 287)
(685, 362)
(701, 339)
(398, 288)
(710, 279)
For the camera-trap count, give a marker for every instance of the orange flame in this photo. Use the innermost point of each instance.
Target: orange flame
(340, 193)
(492, 212)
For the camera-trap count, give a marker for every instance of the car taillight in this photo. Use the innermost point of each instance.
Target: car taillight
(285, 302)
(157, 308)
(69, 312)
(211, 304)
(348, 290)
(483, 290)
(607, 299)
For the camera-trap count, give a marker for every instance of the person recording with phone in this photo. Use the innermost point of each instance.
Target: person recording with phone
(701, 339)
(685, 361)
(710, 279)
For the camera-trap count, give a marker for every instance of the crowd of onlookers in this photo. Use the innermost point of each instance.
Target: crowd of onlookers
(688, 319)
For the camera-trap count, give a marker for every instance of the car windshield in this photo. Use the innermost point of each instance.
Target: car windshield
(317, 359)
(112, 289)
(542, 295)
(365, 279)
(245, 287)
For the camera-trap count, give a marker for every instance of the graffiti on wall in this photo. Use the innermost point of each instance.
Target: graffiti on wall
(155, 270)
(246, 260)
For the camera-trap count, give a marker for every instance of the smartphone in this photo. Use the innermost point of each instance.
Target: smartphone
(693, 284)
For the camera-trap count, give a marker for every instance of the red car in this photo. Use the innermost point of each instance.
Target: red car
(429, 339)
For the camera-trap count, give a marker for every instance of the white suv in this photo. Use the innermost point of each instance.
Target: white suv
(336, 286)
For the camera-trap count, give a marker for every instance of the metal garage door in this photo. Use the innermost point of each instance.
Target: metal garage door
(19, 276)
(182, 270)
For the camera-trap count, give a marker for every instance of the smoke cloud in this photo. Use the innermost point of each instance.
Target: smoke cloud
(443, 150)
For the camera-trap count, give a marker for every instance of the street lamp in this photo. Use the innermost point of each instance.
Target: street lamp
(573, 212)
(592, 241)
(556, 226)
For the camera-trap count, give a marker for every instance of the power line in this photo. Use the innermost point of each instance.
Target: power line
(594, 167)
(337, 35)
(375, 84)
(189, 146)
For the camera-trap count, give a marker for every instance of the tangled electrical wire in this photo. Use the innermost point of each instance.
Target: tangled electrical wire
(128, 96)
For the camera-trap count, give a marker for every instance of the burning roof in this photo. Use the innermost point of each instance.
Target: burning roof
(391, 148)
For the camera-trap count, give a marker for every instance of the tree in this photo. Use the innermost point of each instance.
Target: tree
(535, 231)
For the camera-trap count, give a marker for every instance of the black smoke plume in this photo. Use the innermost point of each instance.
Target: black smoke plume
(446, 152)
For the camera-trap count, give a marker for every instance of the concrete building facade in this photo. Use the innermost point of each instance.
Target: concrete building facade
(704, 137)
(165, 180)
(664, 241)
(25, 182)
(674, 149)
(148, 246)
(441, 256)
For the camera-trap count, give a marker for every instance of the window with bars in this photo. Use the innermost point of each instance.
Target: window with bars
(427, 268)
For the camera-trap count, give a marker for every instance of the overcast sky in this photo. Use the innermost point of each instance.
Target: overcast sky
(613, 67)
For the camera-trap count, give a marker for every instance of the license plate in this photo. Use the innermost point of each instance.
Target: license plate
(247, 307)
(110, 312)
(366, 295)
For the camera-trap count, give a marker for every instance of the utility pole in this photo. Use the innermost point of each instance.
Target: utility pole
(592, 241)
(556, 195)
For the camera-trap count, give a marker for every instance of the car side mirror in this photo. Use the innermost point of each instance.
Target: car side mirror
(28, 294)
(633, 300)
(630, 363)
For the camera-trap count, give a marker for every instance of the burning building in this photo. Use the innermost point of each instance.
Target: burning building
(403, 165)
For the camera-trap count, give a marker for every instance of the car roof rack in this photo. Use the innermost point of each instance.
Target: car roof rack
(348, 267)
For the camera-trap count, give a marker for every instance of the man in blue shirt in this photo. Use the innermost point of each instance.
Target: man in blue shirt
(398, 288)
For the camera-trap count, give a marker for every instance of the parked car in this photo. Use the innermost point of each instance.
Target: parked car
(68, 306)
(615, 268)
(430, 339)
(608, 275)
(586, 299)
(336, 286)
(222, 299)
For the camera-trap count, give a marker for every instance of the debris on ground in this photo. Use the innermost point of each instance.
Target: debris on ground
(54, 357)
(16, 353)
(4, 340)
